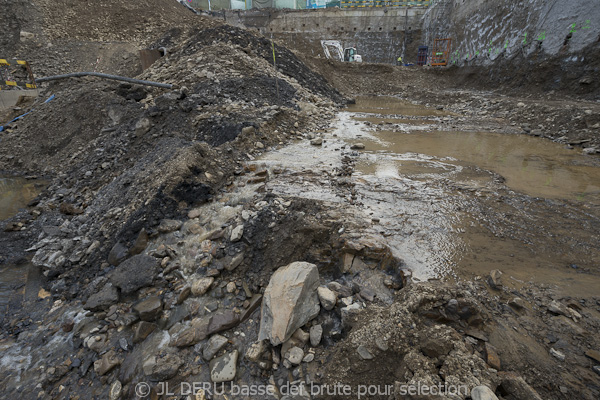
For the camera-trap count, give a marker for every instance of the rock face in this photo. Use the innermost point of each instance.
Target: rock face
(289, 302)
(135, 273)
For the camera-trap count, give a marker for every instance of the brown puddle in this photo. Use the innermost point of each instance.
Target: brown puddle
(15, 193)
(556, 243)
(530, 165)
(375, 120)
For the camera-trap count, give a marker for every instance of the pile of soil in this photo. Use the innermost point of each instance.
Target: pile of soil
(122, 157)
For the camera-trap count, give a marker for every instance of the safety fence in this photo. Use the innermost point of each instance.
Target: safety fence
(16, 74)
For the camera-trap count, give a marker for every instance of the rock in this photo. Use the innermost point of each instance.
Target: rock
(108, 361)
(516, 386)
(348, 314)
(492, 358)
(254, 303)
(596, 369)
(357, 146)
(517, 303)
(593, 354)
(149, 309)
(231, 287)
(494, 279)
(140, 243)
(163, 368)
(117, 254)
(537, 132)
(590, 150)
(195, 213)
(184, 294)
(25, 36)
(237, 233)
(142, 126)
(560, 309)
(256, 350)
(364, 353)
(381, 344)
(301, 336)
(224, 368)
(317, 142)
(316, 334)
(436, 348)
(557, 354)
(123, 344)
(142, 330)
(308, 358)
(482, 393)
(103, 299)
(294, 355)
(328, 298)
(115, 390)
(290, 301)
(169, 225)
(212, 347)
(520, 104)
(201, 286)
(67, 326)
(222, 321)
(235, 262)
(196, 332)
(248, 130)
(70, 209)
(135, 273)
(367, 294)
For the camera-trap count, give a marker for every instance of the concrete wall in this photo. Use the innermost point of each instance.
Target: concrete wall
(485, 31)
(377, 33)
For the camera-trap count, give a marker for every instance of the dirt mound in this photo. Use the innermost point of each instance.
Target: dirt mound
(110, 20)
(128, 156)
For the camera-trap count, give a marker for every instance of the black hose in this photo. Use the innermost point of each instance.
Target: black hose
(105, 76)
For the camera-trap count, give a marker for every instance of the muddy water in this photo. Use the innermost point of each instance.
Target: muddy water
(531, 165)
(15, 193)
(452, 170)
(457, 204)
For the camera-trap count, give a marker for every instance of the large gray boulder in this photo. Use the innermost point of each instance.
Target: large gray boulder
(289, 302)
(135, 273)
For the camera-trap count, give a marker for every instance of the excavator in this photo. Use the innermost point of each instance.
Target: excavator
(333, 51)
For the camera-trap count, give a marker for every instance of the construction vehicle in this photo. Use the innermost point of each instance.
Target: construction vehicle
(333, 51)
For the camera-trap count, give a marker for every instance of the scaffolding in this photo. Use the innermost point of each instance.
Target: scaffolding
(440, 55)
